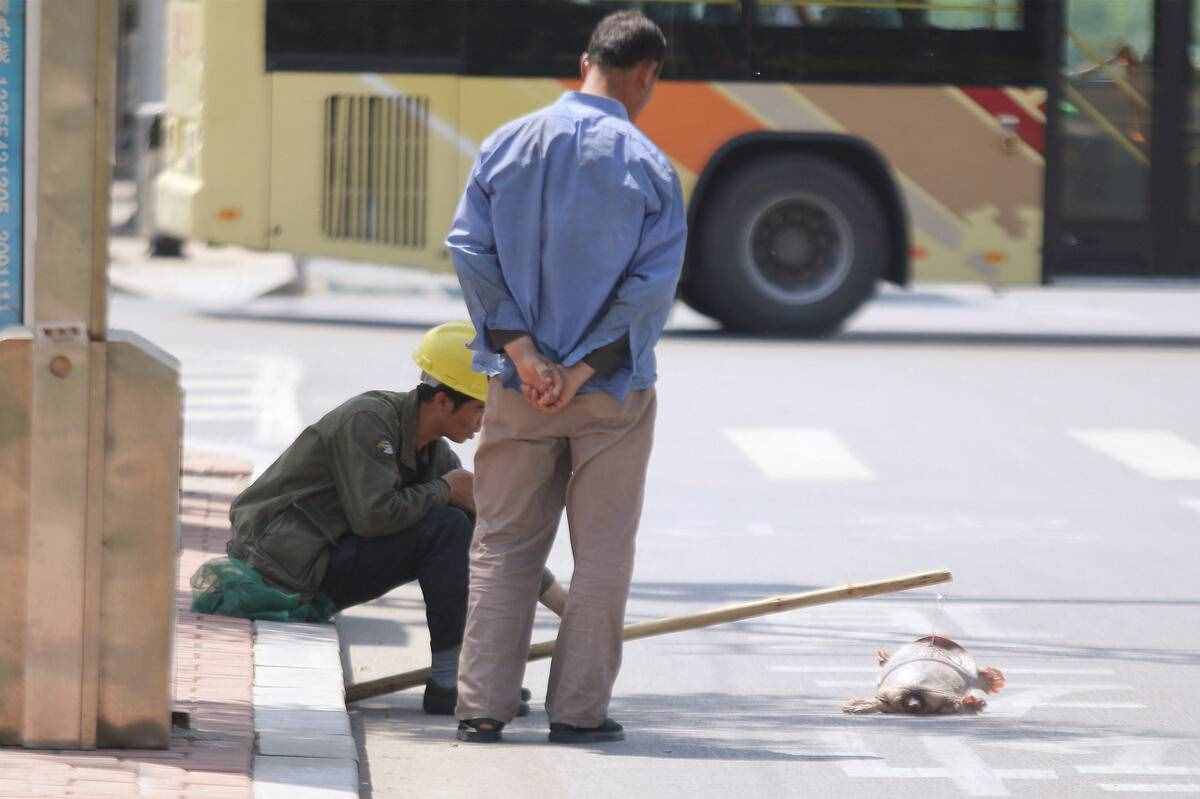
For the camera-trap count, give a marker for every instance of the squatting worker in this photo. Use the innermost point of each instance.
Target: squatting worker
(371, 497)
(568, 244)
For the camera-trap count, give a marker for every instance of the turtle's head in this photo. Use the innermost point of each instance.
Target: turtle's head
(917, 702)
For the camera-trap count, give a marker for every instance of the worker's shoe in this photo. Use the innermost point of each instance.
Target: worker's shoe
(570, 734)
(440, 701)
(479, 731)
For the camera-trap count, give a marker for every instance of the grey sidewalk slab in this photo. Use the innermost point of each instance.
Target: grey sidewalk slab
(301, 720)
(324, 680)
(298, 696)
(289, 632)
(296, 656)
(302, 731)
(307, 745)
(304, 778)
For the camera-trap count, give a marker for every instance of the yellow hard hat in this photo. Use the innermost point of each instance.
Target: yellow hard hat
(443, 355)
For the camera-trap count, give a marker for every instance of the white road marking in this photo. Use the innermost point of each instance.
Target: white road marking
(708, 530)
(1042, 747)
(1132, 752)
(1191, 502)
(258, 390)
(958, 763)
(844, 683)
(975, 624)
(1093, 705)
(1030, 686)
(789, 453)
(1019, 703)
(1141, 771)
(1158, 454)
(238, 415)
(1021, 687)
(836, 669)
(1116, 787)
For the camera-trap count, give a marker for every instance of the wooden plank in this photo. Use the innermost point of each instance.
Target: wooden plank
(58, 517)
(15, 411)
(141, 539)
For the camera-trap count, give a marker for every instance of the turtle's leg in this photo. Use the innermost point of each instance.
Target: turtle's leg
(863, 706)
(991, 679)
(971, 704)
(882, 655)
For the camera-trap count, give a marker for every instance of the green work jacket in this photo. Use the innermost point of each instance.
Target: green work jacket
(354, 471)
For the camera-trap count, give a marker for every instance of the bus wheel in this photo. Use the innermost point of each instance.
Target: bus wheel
(790, 244)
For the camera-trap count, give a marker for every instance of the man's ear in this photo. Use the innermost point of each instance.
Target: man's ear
(648, 73)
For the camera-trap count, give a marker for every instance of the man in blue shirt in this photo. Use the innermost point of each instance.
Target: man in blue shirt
(568, 244)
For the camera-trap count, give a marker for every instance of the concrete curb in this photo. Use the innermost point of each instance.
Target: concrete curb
(304, 748)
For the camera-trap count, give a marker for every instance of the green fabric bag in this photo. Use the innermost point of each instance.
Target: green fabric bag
(231, 587)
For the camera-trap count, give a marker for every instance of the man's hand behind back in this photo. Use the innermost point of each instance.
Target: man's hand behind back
(541, 378)
(462, 489)
(575, 376)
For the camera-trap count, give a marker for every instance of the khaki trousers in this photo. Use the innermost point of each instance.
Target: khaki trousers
(591, 459)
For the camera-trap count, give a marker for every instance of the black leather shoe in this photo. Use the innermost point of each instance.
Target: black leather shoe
(440, 701)
(570, 734)
(480, 731)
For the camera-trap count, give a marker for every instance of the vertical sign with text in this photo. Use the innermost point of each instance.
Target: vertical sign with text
(12, 140)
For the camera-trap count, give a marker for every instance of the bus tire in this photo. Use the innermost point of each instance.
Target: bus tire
(790, 244)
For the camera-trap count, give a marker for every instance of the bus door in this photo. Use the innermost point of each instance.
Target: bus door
(1123, 166)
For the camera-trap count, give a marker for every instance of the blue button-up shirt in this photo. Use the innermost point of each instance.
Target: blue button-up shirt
(572, 229)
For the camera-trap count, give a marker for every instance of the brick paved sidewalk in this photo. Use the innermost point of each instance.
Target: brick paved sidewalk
(214, 672)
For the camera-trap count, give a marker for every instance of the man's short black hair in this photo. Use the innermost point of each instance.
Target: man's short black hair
(625, 39)
(426, 392)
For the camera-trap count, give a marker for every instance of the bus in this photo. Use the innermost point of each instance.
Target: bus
(823, 147)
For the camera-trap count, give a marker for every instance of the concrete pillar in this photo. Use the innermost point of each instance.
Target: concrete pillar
(90, 430)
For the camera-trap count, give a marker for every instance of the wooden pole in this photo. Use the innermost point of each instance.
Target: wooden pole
(691, 621)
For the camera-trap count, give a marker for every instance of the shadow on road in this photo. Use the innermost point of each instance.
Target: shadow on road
(717, 726)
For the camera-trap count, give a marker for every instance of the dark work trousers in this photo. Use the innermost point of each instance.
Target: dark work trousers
(434, 552)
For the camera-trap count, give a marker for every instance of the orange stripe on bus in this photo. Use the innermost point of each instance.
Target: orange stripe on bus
(691, 120)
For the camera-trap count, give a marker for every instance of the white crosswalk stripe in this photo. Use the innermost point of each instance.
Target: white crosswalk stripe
(1117, 787)
(791, 453)
(260, 391)
(1158, 454)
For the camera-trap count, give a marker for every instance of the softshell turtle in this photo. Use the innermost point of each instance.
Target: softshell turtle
(931, 676)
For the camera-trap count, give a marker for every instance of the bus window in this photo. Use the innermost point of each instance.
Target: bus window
(1192, 145)
(546, 37)
(1108, 86)
(980, 42)
(979, 15)
(364, 36)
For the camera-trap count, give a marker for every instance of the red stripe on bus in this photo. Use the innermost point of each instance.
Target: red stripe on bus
(996, 102)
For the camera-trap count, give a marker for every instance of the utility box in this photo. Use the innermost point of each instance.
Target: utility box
(89, 487)
(90, 419)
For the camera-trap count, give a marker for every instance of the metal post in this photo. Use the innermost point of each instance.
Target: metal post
(90, 429)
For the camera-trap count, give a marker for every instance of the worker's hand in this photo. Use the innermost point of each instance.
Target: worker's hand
(574, 378)
(462, 489)
(541, 379)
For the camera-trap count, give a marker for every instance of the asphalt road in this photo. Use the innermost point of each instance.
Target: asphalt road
(1058, 478)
